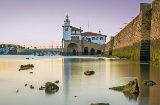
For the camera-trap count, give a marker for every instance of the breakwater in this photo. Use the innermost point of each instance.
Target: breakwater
(140, 39)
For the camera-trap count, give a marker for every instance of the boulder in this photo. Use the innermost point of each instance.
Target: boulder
(100, 104)
(89, 72)
(148, 83)
(131, 87)
(51, 87)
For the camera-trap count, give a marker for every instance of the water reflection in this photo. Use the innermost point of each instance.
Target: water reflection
(80, 87)
(73, 82)
(67, 77)
(144, 75)
(154, 91)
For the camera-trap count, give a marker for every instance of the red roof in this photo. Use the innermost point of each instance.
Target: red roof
(76, 29)
(91, 34)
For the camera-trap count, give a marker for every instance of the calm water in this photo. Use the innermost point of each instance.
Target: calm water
(69, 71)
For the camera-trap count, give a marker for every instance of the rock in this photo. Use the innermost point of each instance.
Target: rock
(100, 59)
(31, 86)
(89, 72)
(100, 104)
(118, 88)
(131, 96)
(31, 72)
(17, 91)
(148, 83)
(24, 67)
(56, 81)
(51, 87)
(131, 87)
(40, 88)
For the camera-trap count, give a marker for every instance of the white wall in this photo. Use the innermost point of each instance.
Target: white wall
(77, 32)
(96, 41)
(67, 34)
(66, 23)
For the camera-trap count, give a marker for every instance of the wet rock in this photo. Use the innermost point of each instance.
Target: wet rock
(51, 87)
(56, 81)
(41, 88)
(131, 87)
(31, 72)
(118, 88)
(89, 72)
(31, 86)
(25, 67)
(100, 59)
(148, 83)
(100, 104)
(131, 96)
(17, 91)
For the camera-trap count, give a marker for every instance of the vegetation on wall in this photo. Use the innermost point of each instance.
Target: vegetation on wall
(148, 15)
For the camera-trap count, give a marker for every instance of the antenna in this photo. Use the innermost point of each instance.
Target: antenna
(52, 45)
(88, 25)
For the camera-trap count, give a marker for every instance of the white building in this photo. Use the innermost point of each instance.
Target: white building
(77, 42)
(73, 33)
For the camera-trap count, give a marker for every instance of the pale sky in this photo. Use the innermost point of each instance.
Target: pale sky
(39, 22)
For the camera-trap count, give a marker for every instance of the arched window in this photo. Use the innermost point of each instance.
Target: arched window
(66, 29)
(101, 38)
(93, 38)
(97, 38)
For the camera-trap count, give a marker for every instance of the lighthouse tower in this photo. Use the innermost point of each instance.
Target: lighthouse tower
(66, 29)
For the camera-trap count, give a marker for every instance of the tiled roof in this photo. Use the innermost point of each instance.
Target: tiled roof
(91, 34)
(76, 29)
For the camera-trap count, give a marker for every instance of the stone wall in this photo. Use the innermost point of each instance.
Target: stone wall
(155, 31)
(109, 47)
(79, 47)
(127, 43)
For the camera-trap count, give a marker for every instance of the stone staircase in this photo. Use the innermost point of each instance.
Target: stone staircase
(145, 50)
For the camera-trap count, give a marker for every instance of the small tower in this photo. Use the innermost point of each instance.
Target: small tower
(67, 29)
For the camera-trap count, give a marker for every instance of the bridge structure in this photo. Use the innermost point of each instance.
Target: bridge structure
(46, 51)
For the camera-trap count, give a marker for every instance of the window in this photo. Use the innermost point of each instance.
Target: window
(82, 38)
(86, 38)
(89, 39)
(101, 38)
(93, 38)
(66, 29)
(97, 38)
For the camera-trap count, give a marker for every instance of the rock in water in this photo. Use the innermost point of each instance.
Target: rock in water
(148, 83)
(24, 67)
(131, 87)
(89, 72)
(51, 87)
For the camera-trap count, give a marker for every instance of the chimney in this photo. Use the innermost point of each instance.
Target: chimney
(99, 32)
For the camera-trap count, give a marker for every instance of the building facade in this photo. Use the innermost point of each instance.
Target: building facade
(77, 42)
